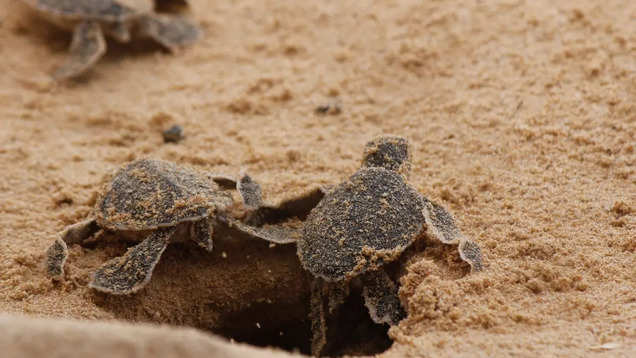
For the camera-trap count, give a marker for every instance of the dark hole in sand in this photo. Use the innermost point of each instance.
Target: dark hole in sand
(296, 208)
(245, 290)
(352, 332)
(171, 6)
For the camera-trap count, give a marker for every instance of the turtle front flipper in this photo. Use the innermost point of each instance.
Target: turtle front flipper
(471, 253)
(441, 225)
(381, 298)
(129, 273)
(202, 232)
(57, 253)
(325, 305)
(87, 47)
(250, 192)
(298, 205)
(172, 32)
(226, 182)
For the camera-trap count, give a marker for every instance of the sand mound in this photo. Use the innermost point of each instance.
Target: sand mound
(31, 338)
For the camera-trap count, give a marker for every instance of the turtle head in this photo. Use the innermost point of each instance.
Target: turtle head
(389, 152)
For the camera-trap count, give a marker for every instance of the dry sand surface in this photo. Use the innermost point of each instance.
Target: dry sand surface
(523, 119)
(32, 338)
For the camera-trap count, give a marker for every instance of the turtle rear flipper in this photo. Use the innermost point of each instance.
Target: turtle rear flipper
(57, 253)
(277, 234)
(87, 47)
(270, 223)
(299, 205)
(441, 225)
(129, 273)
(172, 32)
(250, 191)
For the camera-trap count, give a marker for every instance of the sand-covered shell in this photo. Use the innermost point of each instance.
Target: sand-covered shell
(360, 225)
(148, 194)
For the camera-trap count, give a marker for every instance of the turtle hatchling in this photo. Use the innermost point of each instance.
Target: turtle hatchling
(122, 20)
(154, 202)
(362, 225)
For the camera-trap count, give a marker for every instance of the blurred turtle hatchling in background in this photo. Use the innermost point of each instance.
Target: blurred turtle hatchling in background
(90, 20)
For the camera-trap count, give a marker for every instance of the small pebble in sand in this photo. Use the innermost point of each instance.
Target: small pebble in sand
(332, 109)
(173, 134)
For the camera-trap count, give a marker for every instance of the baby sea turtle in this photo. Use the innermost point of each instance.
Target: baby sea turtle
(155, 202)
(121, 19)
(365, 223)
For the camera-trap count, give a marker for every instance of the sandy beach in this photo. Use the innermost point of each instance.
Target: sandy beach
(522, 118)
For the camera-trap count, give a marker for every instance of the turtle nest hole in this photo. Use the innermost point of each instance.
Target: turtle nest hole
(246, 290)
